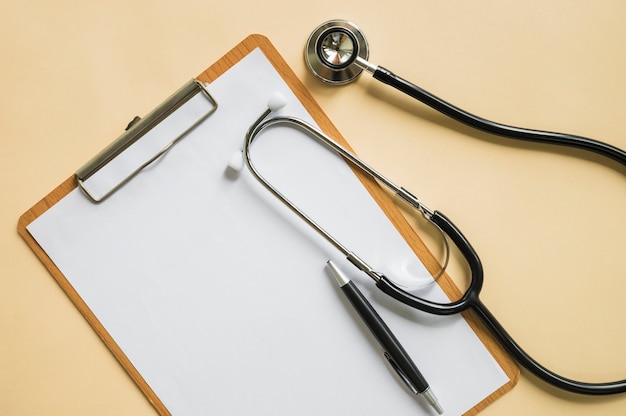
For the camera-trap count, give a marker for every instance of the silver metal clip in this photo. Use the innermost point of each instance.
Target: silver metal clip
(114, 166)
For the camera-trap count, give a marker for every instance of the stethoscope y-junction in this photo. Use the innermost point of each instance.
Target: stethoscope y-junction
(337, 53)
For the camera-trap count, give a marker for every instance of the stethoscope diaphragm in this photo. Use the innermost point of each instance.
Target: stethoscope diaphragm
(332, 50)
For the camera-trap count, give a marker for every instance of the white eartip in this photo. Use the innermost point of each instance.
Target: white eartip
(276, 102)
(236, 161)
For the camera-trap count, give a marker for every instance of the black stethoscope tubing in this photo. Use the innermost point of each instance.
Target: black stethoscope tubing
(545, 137)
(471, 300)
(342, 41)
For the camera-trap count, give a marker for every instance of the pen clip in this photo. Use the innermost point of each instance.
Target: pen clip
(400, 373)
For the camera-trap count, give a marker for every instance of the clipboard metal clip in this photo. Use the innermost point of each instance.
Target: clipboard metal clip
(146, 140)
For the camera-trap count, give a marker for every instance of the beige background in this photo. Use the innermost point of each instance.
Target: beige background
(548, 225)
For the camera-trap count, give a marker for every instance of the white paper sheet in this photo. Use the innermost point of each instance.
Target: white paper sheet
(219, 295)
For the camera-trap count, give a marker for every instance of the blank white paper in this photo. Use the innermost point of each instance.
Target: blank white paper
(219, 295)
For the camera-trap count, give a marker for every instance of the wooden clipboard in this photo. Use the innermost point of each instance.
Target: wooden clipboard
(393, 213)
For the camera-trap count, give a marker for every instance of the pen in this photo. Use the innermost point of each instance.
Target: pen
(393, 350)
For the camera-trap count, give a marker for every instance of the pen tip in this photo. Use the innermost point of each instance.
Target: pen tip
(432, 399)
(341, 278)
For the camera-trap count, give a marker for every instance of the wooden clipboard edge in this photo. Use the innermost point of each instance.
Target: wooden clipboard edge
(393, 213)
(29, 216)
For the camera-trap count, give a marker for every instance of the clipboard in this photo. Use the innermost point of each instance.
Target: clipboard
(392, 212)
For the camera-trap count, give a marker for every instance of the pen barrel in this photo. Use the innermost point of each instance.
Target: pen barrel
(395, 353)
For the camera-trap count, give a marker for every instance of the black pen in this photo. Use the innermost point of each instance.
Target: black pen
(393, 350)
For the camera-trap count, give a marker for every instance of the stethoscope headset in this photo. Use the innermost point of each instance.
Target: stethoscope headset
(337, 53)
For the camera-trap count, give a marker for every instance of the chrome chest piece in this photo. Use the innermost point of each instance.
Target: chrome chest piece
(332, 50)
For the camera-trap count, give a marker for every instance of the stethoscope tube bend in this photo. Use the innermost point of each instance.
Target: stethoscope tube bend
(471, 301)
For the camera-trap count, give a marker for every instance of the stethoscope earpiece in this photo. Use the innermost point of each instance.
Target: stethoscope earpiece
(332, 50)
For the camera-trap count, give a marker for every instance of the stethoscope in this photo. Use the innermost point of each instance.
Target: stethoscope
(337, 53)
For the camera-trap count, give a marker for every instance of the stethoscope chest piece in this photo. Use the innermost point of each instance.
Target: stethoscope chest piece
(332, 49)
